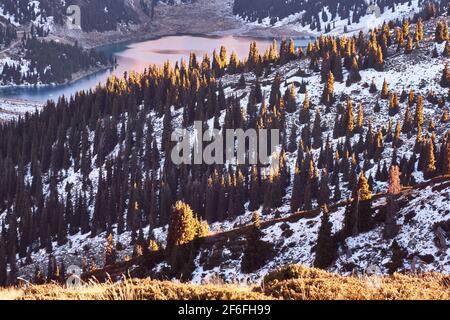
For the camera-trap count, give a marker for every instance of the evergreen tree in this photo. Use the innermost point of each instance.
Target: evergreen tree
(445, 80)
(354, 76)
(324, 192)
(398, 255)
(256, 251)
(325, 246)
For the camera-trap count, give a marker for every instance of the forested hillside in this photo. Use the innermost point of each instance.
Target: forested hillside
(357, 116)
(39, 13)
(323, 15)
(7, 34)
(47, 62)
(98, 15)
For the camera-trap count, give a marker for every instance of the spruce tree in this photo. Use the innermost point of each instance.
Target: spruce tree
(354, 76)
(445, 79)
(373, 87)
(255, 195)
(324, 192)
(317, 131)
(325, 246)
(398, 255)
(256, 251)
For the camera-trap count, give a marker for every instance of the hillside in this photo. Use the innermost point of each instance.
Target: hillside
(100, 15)
(13, 110)
(291, 283)
(99, 163)
(292, 239)
(329, 16)
(107, 21)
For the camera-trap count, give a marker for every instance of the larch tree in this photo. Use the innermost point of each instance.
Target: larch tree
(110, 251)
(182, 225)
(419, 117)
(363, 191)
(430, 166)
(328, 91)
(446, 164)
(392, 207)
(385, 90)
(349, 118)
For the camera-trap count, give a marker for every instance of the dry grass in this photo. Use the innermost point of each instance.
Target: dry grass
(292, 282)
(139, 290)
(300, 283)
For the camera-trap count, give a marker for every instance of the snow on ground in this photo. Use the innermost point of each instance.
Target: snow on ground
(338, 24)
(12, 110)
(418, 71)
(25, 71)
(295, 241)
(41, 19)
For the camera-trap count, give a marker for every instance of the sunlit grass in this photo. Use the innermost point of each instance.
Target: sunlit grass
(292, 282)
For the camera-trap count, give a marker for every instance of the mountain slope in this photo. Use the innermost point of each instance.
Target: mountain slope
(99, 162)
(424, 210)
(327, 16)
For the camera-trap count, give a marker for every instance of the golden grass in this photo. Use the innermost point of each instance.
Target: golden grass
(293, 282)
(140, 290)
(300, 283)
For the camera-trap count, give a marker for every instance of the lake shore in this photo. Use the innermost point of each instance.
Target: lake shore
(85, 73)
(74, 78)
(204, 17)
(14, 102)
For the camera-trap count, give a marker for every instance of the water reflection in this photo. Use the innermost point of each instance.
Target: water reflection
(139, 55)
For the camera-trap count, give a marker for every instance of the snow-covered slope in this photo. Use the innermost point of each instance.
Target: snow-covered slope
(369, 17)
(419, 71)
(34, 12)
(12, 110)
(424, 210)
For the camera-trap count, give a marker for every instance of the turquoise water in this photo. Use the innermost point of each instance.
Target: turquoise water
(137, 56)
